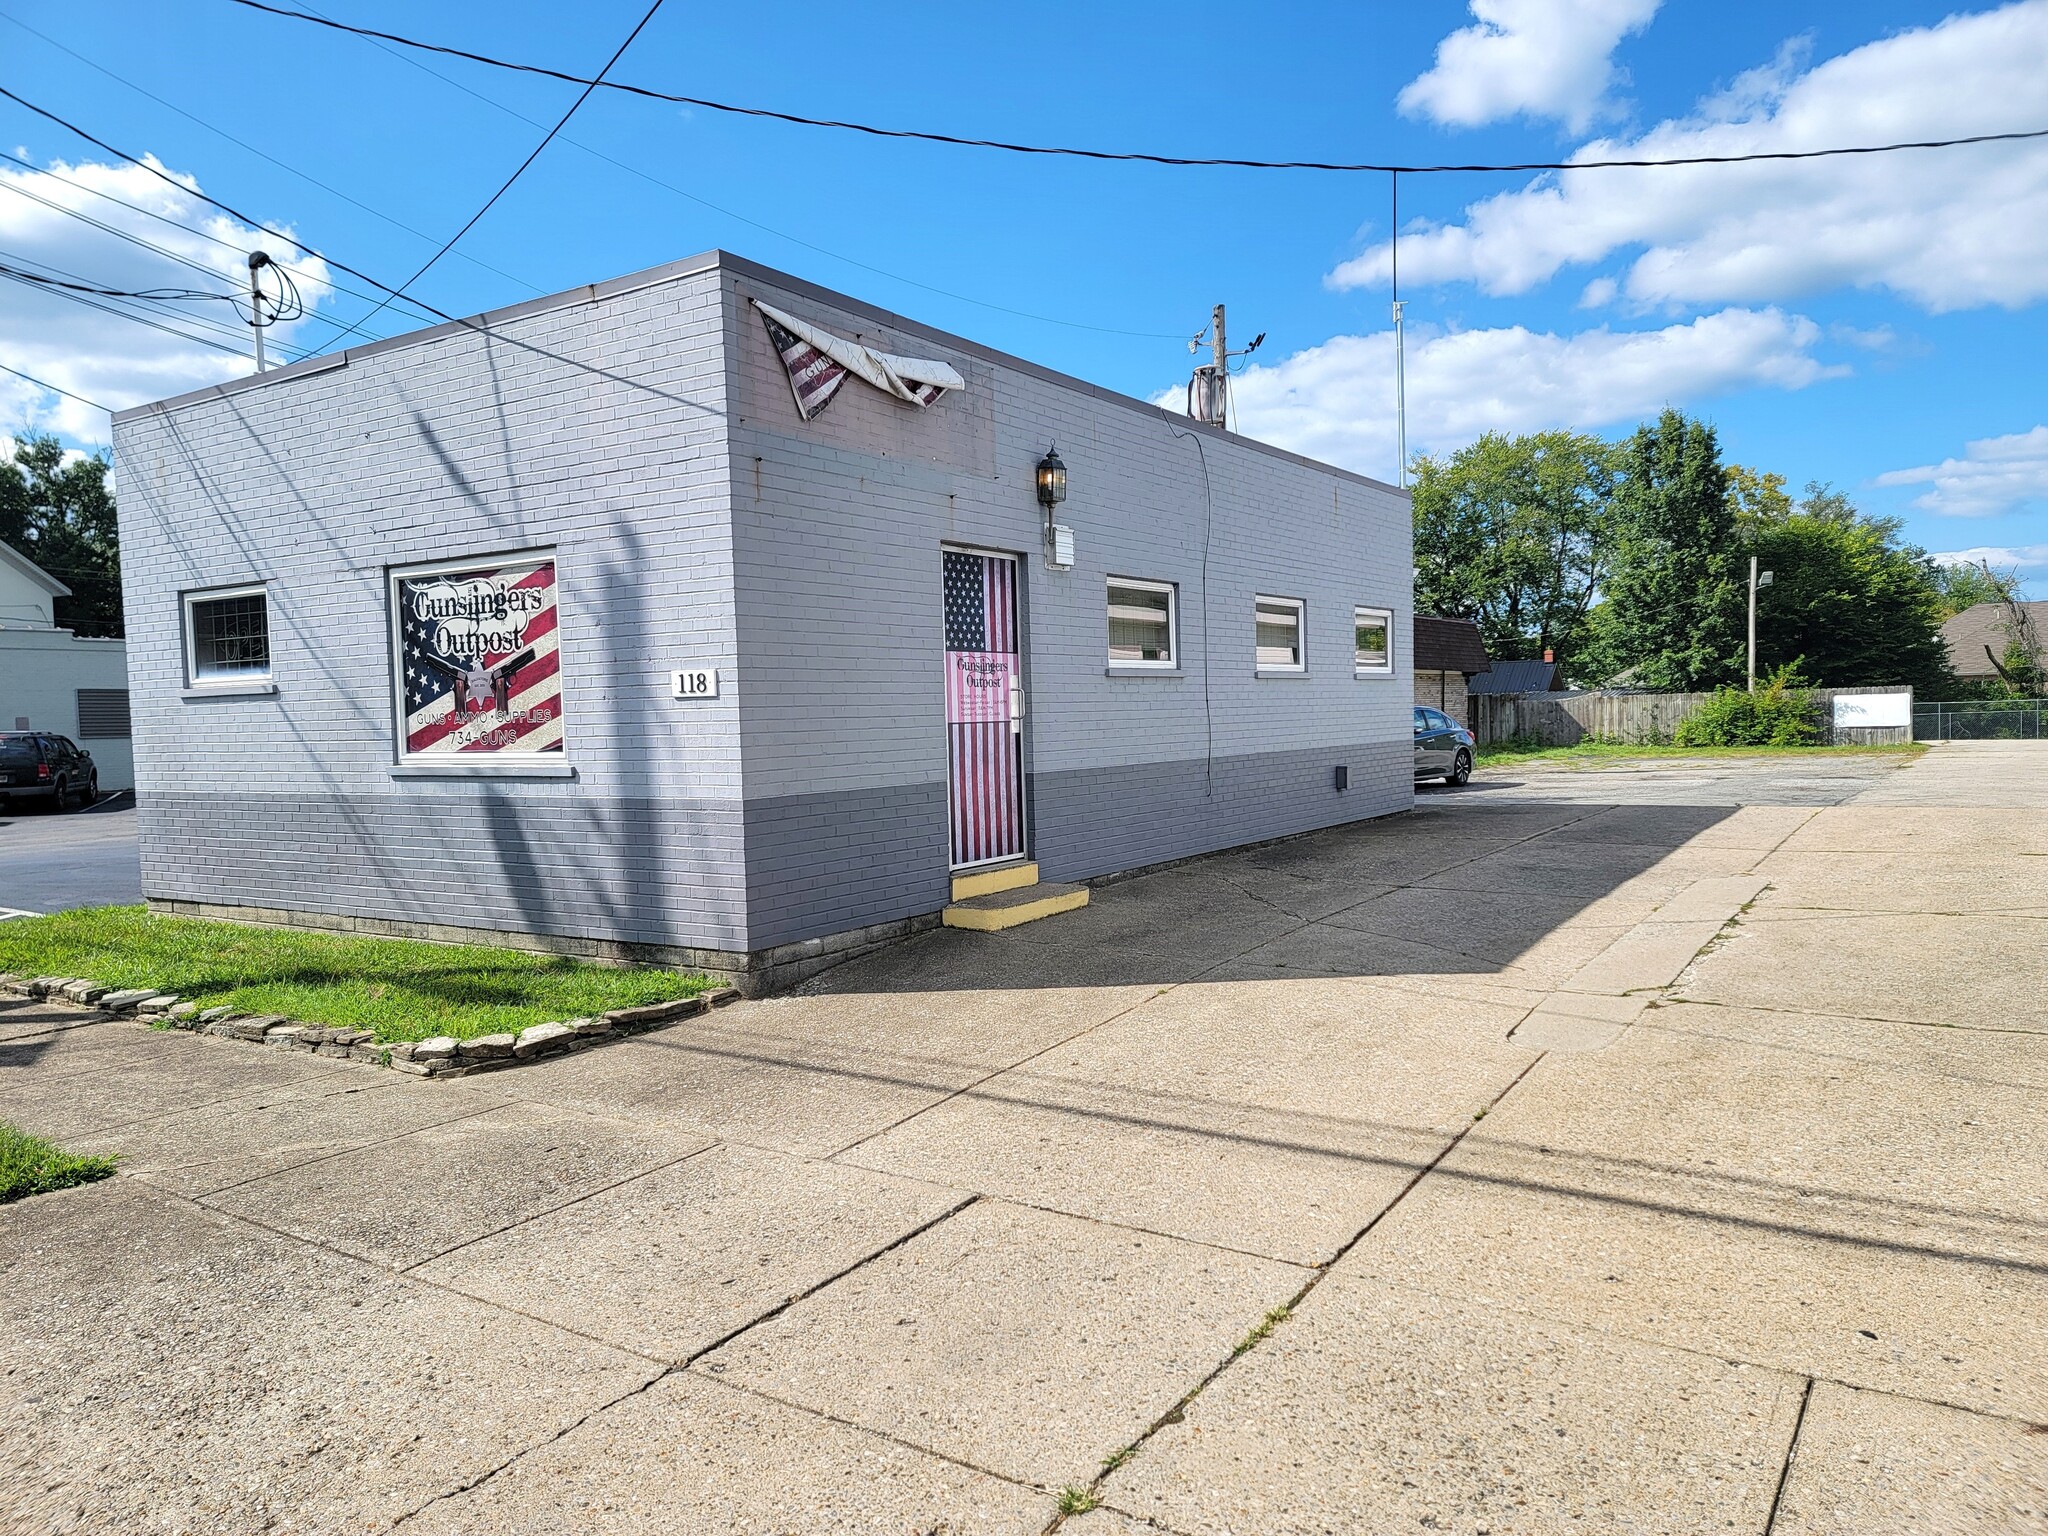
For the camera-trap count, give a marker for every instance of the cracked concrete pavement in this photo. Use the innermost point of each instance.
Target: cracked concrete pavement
(1651, 1149)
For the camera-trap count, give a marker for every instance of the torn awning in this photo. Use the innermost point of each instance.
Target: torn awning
(818, 363)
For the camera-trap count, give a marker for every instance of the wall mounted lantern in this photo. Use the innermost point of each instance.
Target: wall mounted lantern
(1052, 490)
(1052, 481)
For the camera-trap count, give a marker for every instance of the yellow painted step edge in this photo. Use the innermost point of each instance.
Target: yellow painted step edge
(995, 919)
(986, 882)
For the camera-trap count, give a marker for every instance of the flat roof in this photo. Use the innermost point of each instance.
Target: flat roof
(705, 261)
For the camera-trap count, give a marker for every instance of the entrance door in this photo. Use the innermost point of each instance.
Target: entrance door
(984, 708)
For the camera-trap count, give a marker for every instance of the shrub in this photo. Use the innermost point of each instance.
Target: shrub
(1779, 714)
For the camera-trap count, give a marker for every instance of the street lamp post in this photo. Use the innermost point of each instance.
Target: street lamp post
(1757, 579)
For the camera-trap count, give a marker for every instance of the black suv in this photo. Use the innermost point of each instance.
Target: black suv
(46, 770)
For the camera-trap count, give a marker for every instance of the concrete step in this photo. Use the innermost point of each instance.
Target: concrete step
(997, 910)
(986, 882)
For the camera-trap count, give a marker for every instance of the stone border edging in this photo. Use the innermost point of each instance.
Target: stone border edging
(442, 1056)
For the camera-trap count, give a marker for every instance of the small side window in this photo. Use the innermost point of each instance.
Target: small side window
(1142, 624)
(1372, 632)
(227, 637)
(1278, 626)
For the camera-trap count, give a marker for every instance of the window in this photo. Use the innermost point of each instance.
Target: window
(1278, 621)
(1372, 640)
(1141, 624)
(227, 637)
(102, 714)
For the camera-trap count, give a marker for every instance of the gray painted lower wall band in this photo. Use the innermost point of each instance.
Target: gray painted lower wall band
(648, 873)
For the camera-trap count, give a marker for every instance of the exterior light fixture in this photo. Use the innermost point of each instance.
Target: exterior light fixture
(1052, 480)
(1052, 490)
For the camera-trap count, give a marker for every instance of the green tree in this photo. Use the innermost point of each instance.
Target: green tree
(1966, 585)
(59, 512)
(1510, 532)
(1850, 605)
(1676, 590)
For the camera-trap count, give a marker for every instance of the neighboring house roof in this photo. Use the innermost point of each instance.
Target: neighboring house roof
(1448, 645)
(1519, 677)
(11, 556)
(1969, 632)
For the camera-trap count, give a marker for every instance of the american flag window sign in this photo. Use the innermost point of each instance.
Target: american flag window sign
(984, 708)
(477, 648)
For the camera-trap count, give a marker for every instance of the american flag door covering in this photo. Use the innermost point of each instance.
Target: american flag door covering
(984, 717)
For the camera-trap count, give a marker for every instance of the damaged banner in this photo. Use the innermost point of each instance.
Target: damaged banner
(818, 363)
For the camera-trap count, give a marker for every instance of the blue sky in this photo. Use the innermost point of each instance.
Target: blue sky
(1878, 324)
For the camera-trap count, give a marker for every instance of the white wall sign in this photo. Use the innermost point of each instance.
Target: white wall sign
(697, 683)
(1872, 711)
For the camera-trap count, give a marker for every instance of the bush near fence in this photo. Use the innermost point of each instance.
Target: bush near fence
(1633, 719)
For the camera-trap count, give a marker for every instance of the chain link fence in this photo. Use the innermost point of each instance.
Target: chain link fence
(1980, 720)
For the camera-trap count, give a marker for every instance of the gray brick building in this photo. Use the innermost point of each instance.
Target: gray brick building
(406, 624)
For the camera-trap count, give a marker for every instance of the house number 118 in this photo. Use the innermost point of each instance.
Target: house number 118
(697, 683)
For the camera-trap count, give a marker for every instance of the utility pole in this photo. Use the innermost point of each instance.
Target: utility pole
(1757, 579)
(258, 260)
(1222, 355)
(1400, 396)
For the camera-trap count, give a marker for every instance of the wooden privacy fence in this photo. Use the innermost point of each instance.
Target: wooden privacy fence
(1634, 719)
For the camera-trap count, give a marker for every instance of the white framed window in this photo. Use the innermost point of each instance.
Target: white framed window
(476, 663)
(1144, 624)
(1372, 641)
(227, 637)
(1278, 628)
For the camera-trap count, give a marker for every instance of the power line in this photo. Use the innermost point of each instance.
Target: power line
(55, 390)
(252, 149)
(325, 282)
(491, 201)
(110, 293)
(1116, 155)
(781, 234)
(126, 314)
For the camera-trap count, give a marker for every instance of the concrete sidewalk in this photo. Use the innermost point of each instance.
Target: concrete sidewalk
(1536, 1162)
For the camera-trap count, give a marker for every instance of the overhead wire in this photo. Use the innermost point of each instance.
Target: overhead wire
(67, 284)
(781, 234)
(491, 201)
(56, 389)
(260, 154)
(127, 314)
(325, 282)
(1075, 152)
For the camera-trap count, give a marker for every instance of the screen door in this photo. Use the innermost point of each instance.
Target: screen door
(984, 708)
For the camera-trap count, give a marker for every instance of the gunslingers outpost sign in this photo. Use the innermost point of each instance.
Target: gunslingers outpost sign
(476, 647)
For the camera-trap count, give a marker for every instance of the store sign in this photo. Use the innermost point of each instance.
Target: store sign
(479, 670)
(1873, 711)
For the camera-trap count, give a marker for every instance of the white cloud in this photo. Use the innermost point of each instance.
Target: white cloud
(1336, 401)
(1995, 474)
(1947, 229)
(1536, 58)
(2000, 557)
(117, 361)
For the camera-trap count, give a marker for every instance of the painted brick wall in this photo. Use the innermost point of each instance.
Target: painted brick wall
(837, 528)
(594, 424)
(645, 430)
(1445, 691)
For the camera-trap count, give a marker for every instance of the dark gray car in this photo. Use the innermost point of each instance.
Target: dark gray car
(1443, 748)
(38, 768)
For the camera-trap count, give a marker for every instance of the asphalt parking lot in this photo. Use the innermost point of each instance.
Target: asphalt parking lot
(51, 863)
(1587, 1151)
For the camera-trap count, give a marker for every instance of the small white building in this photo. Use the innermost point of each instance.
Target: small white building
(52, 680)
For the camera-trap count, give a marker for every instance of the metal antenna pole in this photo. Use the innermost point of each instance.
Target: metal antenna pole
(257, 261)
(1221, 405)
(1400, 344)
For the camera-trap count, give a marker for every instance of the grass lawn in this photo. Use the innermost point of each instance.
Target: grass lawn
(404, 989)
(30, 1165)
(1593, 753)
